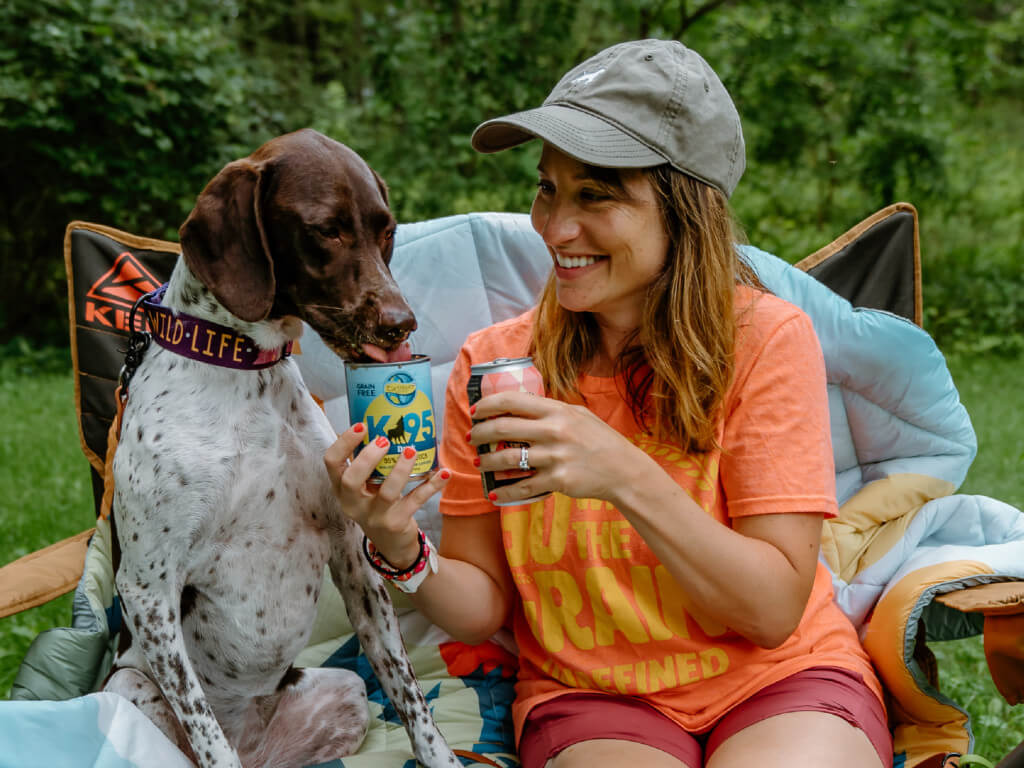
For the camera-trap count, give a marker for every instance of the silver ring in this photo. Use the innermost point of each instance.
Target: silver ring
(524, 458)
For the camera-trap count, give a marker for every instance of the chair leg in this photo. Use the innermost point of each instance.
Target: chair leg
(1015, 759)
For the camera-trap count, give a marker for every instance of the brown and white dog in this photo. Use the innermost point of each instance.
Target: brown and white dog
(224, 511)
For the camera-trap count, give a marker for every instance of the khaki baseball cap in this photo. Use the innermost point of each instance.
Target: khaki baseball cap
(635, 105)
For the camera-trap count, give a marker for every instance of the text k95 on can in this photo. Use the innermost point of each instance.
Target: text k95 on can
(395, 401)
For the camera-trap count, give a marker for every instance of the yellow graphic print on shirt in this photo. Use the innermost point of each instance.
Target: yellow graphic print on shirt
(703, 468)
(603, 611)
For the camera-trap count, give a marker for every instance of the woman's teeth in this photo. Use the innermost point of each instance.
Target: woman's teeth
(574, 262)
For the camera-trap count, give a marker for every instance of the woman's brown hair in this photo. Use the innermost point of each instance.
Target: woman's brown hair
(678, 364)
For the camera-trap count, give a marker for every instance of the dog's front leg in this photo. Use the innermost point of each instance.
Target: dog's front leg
(151, 604)
(376, 625)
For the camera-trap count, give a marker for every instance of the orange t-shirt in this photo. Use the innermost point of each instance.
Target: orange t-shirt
(596, 610)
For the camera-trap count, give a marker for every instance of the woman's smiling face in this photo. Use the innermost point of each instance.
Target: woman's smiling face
(608, 245)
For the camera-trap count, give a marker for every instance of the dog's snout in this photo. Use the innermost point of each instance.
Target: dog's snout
(396, 323)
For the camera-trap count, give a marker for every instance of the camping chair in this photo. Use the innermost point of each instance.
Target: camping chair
(911, 561)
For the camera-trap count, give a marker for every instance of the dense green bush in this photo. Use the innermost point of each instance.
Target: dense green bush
(107, 116)
(120, 110)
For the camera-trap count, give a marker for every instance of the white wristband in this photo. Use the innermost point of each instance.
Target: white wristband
(412, 584)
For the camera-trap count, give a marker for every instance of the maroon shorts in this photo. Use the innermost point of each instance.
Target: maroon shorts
(559, 723)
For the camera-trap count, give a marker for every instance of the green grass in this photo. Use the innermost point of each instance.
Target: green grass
(992, 391)
(47, 496)
(47, 492)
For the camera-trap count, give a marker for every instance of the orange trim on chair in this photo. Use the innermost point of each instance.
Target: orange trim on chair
(43, 575)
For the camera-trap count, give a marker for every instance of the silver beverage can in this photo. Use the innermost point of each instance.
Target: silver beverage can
(395, 401)
(502, 375)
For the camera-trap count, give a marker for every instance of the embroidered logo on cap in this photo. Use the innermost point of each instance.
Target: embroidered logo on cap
(585, 78)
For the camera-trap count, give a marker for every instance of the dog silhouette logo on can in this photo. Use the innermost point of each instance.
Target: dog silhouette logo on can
(502, 375)
(395, 401)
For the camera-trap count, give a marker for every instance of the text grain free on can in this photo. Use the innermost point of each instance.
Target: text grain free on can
(395, 401)
(501, 375)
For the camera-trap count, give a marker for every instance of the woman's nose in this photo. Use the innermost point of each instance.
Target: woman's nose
(556, 223)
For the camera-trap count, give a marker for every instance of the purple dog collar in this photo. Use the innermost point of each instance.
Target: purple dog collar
(204, 341)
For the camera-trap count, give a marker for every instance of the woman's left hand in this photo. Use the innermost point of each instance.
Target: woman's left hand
(571, 449)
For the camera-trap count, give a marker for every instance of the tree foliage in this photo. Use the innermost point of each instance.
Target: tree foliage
(109, 117)
(120, 110)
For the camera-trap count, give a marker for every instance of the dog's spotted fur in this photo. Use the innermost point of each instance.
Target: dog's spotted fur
(224, 511)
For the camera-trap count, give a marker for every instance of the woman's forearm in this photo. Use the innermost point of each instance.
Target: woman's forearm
(471, 593)
(463, 600)
(745, 583)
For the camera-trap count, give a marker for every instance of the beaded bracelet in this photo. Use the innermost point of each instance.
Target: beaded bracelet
(407, 579)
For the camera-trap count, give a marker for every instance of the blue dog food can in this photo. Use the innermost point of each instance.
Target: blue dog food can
(395, 401)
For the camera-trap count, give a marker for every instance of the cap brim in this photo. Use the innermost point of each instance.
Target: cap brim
(578, 134)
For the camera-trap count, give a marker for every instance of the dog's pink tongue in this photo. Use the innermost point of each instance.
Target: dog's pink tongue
(399, 354)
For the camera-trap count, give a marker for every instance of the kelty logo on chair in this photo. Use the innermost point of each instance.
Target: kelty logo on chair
(109, 301)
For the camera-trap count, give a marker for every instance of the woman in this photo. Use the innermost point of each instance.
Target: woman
(667, 598)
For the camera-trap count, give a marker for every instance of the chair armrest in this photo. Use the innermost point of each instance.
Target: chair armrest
(43, 575)
(1000, 598)
(1002, 603)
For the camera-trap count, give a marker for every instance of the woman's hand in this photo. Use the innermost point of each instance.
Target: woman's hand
(384, 514)
(571, 449)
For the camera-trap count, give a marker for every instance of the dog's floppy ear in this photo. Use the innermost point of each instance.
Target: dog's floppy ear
(381, 186)
(224, 244)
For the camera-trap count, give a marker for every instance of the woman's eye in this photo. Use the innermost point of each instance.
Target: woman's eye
(545, 187)
(592, 195)
(328, 232)
(389, 235)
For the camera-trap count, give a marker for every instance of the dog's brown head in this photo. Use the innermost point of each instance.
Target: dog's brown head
(302, 227)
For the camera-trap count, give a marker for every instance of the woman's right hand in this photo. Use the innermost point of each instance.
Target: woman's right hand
(570, 449)
(384, 514)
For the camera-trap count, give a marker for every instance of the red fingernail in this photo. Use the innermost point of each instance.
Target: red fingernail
(476, 461)
(469, 436)
(358, 427)
(472, 410)
(445, 474)
(409, 452)
(492, 496)
(382, 442)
